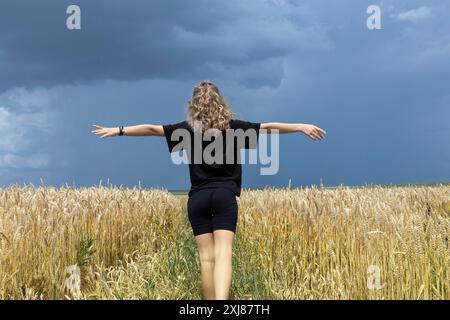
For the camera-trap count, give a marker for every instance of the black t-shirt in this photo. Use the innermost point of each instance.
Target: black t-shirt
(224, 169)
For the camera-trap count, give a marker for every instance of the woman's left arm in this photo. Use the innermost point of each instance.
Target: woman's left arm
(136, 131)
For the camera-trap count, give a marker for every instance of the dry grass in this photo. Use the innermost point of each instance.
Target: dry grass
(291, 244)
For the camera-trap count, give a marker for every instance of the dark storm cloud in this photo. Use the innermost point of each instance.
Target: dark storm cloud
(382, 95)
(153, 39)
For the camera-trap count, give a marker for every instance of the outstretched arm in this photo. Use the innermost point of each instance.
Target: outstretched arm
(137, 131)
(310, 130)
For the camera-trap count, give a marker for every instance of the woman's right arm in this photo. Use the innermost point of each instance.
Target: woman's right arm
(310, 130)
(137, 131)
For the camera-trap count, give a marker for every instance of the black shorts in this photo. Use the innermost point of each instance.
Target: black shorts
(212, 209)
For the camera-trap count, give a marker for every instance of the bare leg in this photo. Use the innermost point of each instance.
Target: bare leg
(223, 245)
(205, 245)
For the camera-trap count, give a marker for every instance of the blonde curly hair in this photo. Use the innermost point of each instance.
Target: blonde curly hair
(208, 108)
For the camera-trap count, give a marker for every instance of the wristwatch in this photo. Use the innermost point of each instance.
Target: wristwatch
(121, 131)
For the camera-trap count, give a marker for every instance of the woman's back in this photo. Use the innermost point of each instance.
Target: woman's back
(213, 156)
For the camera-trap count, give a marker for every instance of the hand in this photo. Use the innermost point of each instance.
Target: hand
(105, 132)
(313, 132)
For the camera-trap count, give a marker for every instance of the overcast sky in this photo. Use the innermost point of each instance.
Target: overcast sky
(383, 96)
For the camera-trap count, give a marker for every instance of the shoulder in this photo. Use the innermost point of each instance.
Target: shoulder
(242, 124)
(177, 125)
(169, 128)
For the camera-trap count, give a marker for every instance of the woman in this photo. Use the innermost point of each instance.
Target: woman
(212, 206)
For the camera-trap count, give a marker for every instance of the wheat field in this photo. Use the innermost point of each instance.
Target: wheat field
(312, 243)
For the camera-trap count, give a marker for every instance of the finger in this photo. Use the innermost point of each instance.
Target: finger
(97, 126)
(312, 136)
(319, 134)
(315, 135)
(321, 130)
